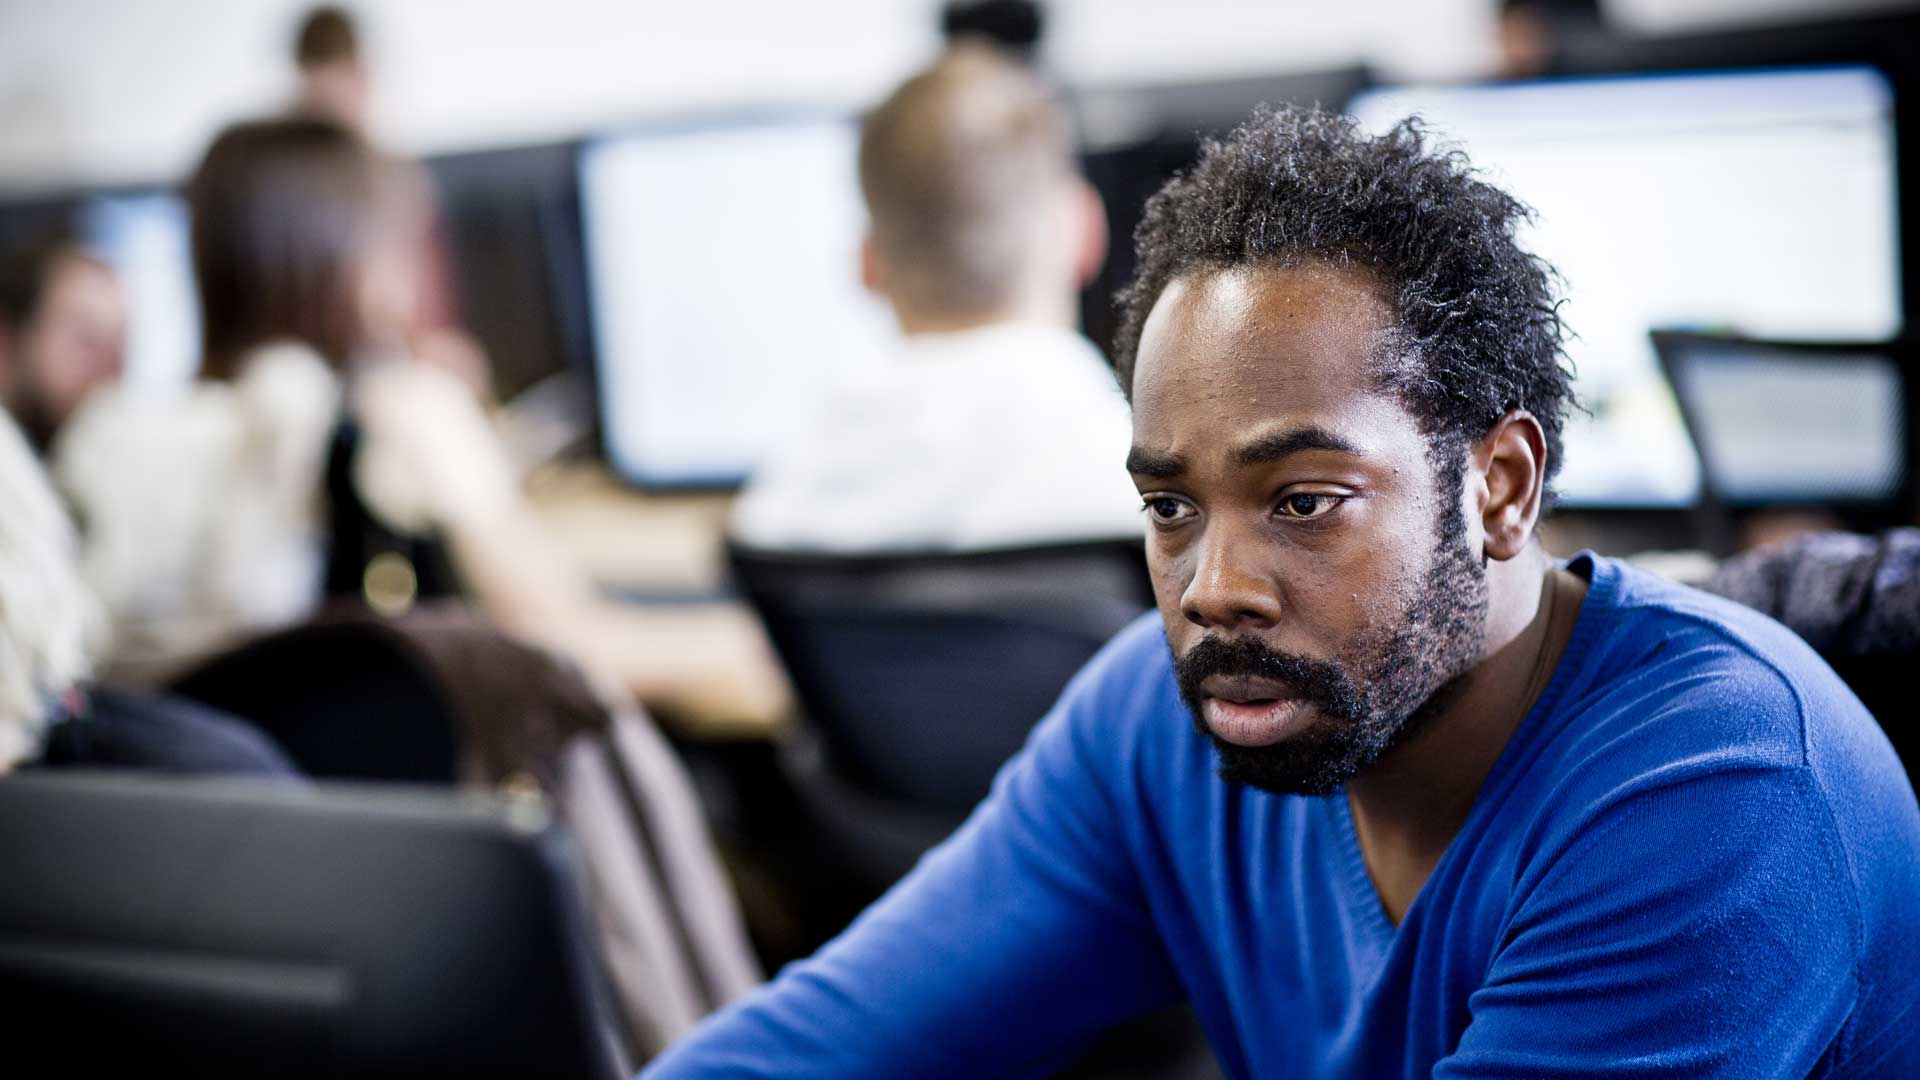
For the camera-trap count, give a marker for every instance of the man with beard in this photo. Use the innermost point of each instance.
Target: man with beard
(1458, 809)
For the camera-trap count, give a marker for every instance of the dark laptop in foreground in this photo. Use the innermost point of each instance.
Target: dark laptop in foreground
(226, 928)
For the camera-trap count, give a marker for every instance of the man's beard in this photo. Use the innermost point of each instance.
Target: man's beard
(1367, 701)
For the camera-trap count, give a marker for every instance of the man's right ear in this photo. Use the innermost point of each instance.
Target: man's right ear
(873, 275)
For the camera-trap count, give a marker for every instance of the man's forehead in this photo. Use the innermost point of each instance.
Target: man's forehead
(1231, 353)
(1255, 324)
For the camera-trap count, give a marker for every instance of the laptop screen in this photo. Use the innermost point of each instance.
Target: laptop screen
(1781, 426)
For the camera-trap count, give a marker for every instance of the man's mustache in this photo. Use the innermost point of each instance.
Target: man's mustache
(1321, 683)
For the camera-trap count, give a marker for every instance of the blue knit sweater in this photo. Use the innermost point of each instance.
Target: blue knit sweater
(1697, 856)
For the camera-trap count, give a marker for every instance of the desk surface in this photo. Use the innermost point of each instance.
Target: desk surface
(633, 540)
(669, 545)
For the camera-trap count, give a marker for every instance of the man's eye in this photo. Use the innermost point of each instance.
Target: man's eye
(1165, 509)
(1305, 506)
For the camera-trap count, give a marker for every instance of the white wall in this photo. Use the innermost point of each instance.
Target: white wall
(106, 90)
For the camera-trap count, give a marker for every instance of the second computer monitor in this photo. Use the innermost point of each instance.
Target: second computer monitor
(724, 274)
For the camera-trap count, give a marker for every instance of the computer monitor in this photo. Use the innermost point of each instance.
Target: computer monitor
(510, 230)
(1756, 203)
(723, 273)
(1779, 424)
(146, 237)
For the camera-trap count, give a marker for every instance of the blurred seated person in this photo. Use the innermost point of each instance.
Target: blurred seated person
(211, 518)
(63, 332)
(982, 234)
(51, 712)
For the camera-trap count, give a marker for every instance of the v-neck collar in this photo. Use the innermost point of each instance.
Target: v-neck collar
(1603, 580)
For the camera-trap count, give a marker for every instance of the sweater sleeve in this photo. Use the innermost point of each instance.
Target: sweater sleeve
(1005, 950)
(1704, 926)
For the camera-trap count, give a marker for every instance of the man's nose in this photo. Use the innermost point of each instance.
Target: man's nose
(1230, 589)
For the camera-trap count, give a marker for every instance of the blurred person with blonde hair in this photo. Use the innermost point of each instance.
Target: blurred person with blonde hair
(219, 516)
(981, 235)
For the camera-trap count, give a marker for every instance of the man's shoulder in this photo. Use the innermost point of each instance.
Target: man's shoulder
(1686, 690)
(1660, 651)
(1707, 756)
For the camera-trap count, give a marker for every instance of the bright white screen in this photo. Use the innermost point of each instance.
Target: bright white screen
(145, 238)
(724, 277)
(1761, 204)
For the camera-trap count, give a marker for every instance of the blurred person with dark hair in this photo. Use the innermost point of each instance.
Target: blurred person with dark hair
(1383, 788)
(334, 81)
(1014, 26)
(63, 332)
(208, 520)
(981, 235)
(51, 628)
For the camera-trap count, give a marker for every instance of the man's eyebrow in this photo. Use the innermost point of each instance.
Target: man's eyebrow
(1153, 465)
(1282, 444)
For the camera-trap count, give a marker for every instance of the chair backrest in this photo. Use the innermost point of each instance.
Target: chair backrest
(348, 700)
(922, 674)
(227, 928)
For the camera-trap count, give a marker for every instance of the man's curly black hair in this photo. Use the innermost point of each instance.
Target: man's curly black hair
(1477, 331)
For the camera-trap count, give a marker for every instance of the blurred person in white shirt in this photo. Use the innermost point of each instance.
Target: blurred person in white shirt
(982, 234)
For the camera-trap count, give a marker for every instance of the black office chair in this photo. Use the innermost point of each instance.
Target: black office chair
(920, 675)
(227, 929)
(347, 699)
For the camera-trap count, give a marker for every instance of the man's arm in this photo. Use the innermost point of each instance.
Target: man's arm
(1004, 950)
(1700, 928)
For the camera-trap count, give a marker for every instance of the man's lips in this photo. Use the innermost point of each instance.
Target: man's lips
(1249, 710)
(1244, 689)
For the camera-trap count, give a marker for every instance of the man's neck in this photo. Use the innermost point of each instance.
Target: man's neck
(1053, 311)
(1408, 805)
